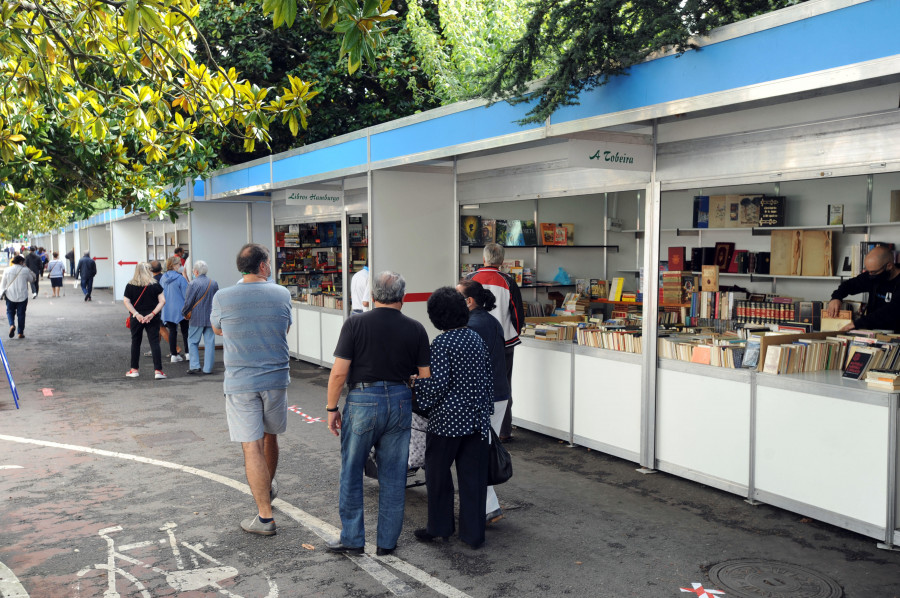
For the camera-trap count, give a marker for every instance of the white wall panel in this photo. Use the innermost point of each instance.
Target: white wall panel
(101, 247)
(608, 405)
(412, 231)
(128, 246)
(219, 230)
(331, 330)
(262, 224)
(309, 333)
(542, 384)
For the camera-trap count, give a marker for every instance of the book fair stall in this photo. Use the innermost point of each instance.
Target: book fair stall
(677, 236)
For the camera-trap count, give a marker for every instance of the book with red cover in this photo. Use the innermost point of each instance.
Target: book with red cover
(676, 258)
(735, 258)
(724, 251)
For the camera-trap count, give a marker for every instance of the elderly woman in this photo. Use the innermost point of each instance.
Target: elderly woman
(480, 301)
(459, 399)
(196, 310)
(144, 300)
(14, 288)
(175, 285)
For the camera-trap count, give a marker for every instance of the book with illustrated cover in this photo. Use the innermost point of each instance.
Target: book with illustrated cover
(488, 231)
(701, 212)
(772, 211)
(835, 214)
(529, 233)
(724, 251)
(470, 230)
(599, 289)
(500, 229)
(570, 232)
(718, 214)
(749, 210)
(561, 236)
(858, 365)
(514, 233)
(548, 233)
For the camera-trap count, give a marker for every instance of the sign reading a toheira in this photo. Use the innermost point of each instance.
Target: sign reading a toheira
(610, 155)
(309, 197)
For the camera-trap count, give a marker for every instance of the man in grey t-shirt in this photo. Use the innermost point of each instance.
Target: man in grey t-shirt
(253, 319)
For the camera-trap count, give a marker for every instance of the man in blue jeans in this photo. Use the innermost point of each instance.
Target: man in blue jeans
(376, 355)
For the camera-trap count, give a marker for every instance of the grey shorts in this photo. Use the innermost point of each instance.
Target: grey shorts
(252, 413)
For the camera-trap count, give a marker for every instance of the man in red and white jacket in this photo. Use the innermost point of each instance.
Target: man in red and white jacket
(509, 312)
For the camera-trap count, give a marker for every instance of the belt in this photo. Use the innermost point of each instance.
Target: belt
(380, 383)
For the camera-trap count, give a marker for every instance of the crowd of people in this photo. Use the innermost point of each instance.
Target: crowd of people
(461, 381)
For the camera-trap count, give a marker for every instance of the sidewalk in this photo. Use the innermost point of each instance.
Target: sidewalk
(578, 523)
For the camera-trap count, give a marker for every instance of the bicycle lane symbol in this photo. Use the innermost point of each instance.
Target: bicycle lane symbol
(182, 580)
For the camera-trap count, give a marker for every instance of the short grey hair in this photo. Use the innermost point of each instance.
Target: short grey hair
(493, 254)
(87, 253)
(200, 267)
(389, 287)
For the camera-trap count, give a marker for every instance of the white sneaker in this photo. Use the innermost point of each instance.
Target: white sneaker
(34, 296)
(132, 374)
(160, 375)
(187, 356)
(177, 358)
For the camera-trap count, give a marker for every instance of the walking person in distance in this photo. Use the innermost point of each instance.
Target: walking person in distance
(56, 269)
(86, 270)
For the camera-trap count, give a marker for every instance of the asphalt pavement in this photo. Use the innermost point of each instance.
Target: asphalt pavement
(111, 486)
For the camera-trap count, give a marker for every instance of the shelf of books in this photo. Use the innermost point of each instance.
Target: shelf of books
(308, 262)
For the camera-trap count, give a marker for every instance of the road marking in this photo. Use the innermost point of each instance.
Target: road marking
(322, 529)
(9, 584)
(11, 467)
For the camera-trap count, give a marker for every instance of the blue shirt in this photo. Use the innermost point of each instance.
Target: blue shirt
(198, 300)
(254, 318)
(459, 396)
(174, 288)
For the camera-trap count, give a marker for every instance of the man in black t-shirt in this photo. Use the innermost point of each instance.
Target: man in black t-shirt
(881, 280)
(377, 353)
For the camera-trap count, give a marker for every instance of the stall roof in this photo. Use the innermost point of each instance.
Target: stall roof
(817, 45)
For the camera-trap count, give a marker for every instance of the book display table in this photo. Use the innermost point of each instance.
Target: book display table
(314, 333)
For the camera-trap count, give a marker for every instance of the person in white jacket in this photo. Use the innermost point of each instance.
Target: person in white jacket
(14, 288)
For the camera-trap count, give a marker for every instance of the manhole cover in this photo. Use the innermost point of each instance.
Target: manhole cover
(753, 578)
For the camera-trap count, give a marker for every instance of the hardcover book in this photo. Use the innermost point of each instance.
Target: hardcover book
(570, 232)
(470, 230)
(724, 251)
(718, 211)
(749, 210)
(514, 236)
(548, 233)
(772, 211)
(676, 258)
(599, 289)
(488, 231)
(786, 253)
(701, 212)
(835, 214)
(710, 278)
(529, 233)
(501, 228)
(817, 253)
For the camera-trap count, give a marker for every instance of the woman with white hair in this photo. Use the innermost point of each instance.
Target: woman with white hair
(197, 307)
(144, 300)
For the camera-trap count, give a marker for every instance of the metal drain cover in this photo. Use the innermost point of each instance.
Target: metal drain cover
(755, 578)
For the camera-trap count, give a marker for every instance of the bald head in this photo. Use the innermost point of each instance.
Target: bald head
(879, 259)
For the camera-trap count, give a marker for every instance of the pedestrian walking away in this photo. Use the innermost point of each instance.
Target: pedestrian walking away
(144, 300)
(86, 270)
(70, 256)
(56, 269)
(480, 301)
(33, 262)
(14, 288)
(253, 319)
(175, 286)
(509, 312)
(196, 311)
(377, 354)
(459, 400)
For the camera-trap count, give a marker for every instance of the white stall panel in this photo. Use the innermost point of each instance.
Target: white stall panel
(309, 334)
(128, 248)
(293, 338)
(101, 251)
(703, 428)
(825, 452)
(218, 231)
(542, 383)
(411, 228)
(331, 330)
(607, 406)
(262, 225)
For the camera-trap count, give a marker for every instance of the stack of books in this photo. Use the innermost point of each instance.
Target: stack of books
(883, 379)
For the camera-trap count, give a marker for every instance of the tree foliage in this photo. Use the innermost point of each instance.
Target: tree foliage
(461, 50)
(103, 102)
(586, 42)
(240, 37)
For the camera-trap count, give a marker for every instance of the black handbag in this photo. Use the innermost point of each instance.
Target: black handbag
(499, 462)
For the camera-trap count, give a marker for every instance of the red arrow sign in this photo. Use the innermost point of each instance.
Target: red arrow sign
(121, 263)
(100, 258)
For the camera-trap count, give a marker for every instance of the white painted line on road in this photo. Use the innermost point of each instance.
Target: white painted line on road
(9, 584)
(322, 529)
(11, 467)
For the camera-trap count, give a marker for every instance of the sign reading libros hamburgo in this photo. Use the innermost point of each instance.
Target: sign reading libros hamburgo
(609, 155)
(309, 197)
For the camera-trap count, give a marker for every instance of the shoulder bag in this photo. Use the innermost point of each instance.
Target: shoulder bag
(499, 462)
(3, 296)
(128, 317)
(191, 310)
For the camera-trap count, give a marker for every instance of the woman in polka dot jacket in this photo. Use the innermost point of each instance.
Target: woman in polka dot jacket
(459, 400)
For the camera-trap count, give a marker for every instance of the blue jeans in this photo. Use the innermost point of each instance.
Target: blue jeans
(16, 309)
(209, 347)
(379, 417)
(87, 285)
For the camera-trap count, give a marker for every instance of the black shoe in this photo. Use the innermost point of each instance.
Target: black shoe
(339, 548)
(384, 551)
(207, 373)
(506, 439)
(422, 535)
(12, 331)
(194, 372)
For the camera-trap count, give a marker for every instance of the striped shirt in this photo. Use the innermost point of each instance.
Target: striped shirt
(254, 318)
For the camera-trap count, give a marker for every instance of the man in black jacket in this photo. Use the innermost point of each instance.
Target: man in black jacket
(33, 262)
(86, 270)
(881, 280)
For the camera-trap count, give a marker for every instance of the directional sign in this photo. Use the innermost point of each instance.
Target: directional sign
(121, 263)
(100, 258)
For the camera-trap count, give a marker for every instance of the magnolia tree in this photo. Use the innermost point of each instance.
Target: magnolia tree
(103, 102)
